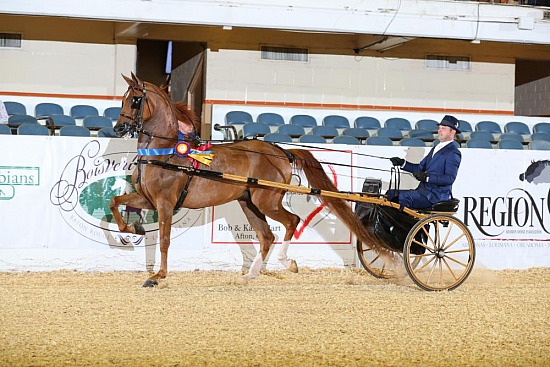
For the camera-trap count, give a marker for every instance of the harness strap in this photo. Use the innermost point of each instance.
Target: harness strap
(185, 191)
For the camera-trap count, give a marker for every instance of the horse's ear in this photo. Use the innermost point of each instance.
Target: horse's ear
(136, 79)
(128, 80)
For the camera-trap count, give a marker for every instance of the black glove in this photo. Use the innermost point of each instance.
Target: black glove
(421, 176)
(396, 161)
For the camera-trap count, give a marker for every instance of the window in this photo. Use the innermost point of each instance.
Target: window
(284, 53)
(446, 62)
(10, 40)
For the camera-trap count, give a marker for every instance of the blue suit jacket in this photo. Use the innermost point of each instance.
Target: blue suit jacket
(442, 170)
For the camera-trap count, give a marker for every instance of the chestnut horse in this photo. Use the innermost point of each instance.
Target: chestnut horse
(147, 110)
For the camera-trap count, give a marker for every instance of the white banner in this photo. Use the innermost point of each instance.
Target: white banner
(55, 191)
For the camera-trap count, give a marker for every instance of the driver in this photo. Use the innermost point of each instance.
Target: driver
(436, 171)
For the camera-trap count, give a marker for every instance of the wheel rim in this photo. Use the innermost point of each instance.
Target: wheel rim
(374, 263)
(449, 253)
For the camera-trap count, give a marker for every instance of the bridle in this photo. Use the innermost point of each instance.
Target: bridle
(134, 121)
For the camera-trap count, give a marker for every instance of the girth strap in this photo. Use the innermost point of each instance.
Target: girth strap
(185, 190)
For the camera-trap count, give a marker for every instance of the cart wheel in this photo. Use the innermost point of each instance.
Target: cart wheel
(373, 263)
(446, 248)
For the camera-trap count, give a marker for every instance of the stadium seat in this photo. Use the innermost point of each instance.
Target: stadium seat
(398, 123)
(62, 120)
(303, 120)
(427, 124)
(47, 109)
(82, 110)
(270, 119)
(237, 118)
(511, 136)
(112, 112)
(482, 135)
(359, 133)
(294, 131)
(367, 122)
(346, 139)
(73, 130)
(32, 129)
(15, 108)
(517, 127)
(489, 126)
(254, 129)
(510, 144)
(379, 140)
(412, 142)
(421, 134)
(479, 143)
(312, 139)
(542, 127)
(390, 132)
(97, 122)
(5, 129)
(106, 132)
(464, 126)
(22, 119)
(325, 131)
(278, 138)
(540, 136)
(336, 121)
(539, 145)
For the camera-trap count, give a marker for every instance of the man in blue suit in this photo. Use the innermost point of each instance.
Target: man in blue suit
(436, 172)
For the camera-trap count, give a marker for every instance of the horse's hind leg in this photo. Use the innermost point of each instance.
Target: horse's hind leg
(134, 200)
(265, 236)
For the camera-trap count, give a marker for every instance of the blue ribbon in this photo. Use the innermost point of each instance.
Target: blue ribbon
(155, 151)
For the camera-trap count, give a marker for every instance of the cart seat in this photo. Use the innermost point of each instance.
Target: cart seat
(447, 206)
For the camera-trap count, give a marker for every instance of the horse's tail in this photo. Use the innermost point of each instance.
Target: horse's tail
(317, 178)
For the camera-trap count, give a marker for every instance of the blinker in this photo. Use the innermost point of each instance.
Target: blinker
(136, 102)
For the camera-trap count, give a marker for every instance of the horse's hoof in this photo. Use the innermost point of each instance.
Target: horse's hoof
(293, 266)
(150, 283)
(139, 228)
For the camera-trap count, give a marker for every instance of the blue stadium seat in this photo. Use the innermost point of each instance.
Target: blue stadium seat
(278, 138)
(542, 127)
(539, 145)
(359, 133)
(106, 132)
(367, 122)
(237, 118)
(379, 140)
(489, 126)
(510, 144)
(22, 119)
(325, 131)
(540, 136)
(398, 123)
(32, 129)
(295, 131)
(346, 139)
(112, 112)
(255, 129)
(97, 122)
(63, 120)
(422, 134)
(390, 132)
(270, 119)
(312, 139)
(511, 136)
(412, 142)
(5, 129)
(15, 108)
(82, 110)
(47, 109)
(303, 120)
(427, 124)
(464, 126)
(482, 135)
(73, 130)
(337, 121)
(479, 143)
(517, 127)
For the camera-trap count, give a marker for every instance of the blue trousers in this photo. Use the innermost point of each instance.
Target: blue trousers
(411, 199)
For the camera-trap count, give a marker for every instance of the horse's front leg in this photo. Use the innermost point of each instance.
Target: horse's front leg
(165, 226)
(135, 200)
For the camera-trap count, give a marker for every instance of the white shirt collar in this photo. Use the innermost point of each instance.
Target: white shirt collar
(440, 146)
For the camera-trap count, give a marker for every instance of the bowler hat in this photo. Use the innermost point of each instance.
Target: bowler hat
(451, 122)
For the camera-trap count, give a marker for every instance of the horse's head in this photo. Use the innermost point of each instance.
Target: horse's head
(132, 114)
